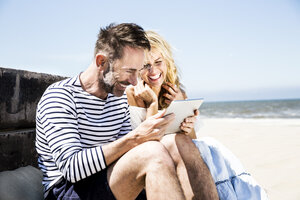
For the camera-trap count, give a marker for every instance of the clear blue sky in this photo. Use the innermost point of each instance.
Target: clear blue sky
(226, 50)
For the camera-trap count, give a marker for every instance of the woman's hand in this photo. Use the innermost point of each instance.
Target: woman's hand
(144, 92)
(187, 125)
(172, 92)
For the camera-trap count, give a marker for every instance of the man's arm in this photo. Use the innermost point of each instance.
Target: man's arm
(57, 118)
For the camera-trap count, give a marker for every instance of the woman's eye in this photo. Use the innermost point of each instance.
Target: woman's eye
(158, 62)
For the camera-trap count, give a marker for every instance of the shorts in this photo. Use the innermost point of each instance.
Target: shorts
(93, 187)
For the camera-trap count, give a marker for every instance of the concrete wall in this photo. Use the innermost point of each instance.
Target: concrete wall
(17, 149)
(20, 92)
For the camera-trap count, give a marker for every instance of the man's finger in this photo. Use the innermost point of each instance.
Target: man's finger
(166, 120)
(160, 114)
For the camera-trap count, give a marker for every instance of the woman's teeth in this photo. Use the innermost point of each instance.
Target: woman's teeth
(154, 77)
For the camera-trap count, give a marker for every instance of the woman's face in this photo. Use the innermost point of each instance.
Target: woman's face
(155, 69)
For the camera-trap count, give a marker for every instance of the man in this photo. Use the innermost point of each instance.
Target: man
(86, 147)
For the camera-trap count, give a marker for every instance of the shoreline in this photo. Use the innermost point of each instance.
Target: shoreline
(269, 149)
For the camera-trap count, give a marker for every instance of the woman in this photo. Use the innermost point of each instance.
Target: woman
(158, 86)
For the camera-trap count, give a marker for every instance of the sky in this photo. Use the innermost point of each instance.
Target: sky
(225, 50)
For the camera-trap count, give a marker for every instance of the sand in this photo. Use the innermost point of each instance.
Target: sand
(268, 148)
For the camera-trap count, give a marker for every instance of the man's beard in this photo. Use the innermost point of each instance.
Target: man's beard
(110, 80)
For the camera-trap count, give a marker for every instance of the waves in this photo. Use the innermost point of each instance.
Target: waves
(252, 109)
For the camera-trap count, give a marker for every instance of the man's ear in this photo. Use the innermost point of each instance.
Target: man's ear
(100, 60)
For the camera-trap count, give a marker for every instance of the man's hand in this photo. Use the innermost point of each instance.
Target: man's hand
(172, 92)
(188, 123)
(153, 128)
(144, 92)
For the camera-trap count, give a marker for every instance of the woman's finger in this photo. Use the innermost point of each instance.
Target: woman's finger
(185, 130)
(167, 101)
(188, 124)
(169, 90)
(173, 87)
(147, 87)
(141, 86)
(190, 119)
(138, 88)
(169, 96)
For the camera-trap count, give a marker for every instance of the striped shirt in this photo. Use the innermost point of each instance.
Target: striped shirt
(71, 127)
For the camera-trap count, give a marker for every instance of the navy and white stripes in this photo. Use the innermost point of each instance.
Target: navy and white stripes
(71, 127)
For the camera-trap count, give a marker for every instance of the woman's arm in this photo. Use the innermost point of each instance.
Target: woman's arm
(143, 96)
(130, 96)
(152, 109)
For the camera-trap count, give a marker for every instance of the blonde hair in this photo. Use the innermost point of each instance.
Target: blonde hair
(158, 43)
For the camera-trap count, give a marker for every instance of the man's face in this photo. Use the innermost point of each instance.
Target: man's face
(123, 72)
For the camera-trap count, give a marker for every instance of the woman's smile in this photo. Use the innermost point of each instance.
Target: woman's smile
(154, 77)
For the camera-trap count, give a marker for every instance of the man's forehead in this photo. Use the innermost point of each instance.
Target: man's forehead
(132, 66)
(127, 50)
(129, 68)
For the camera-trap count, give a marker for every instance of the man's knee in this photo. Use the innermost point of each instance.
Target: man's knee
(155, 155)
(147, 158)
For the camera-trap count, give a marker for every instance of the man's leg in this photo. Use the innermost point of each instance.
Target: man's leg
(193, 174)
(148, 165)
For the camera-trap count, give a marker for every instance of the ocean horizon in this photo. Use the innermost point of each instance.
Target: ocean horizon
(273, 108)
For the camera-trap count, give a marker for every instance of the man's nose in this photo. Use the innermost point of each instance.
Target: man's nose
(133, 80)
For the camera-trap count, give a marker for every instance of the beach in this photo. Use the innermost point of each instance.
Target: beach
(268, 148)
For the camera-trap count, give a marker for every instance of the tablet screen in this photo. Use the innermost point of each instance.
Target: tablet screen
(182, 109)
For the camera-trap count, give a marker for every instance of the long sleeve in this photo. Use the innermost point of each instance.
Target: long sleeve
(126, 127)
(58, 119)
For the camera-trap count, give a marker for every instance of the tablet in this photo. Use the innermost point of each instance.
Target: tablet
(182, 109)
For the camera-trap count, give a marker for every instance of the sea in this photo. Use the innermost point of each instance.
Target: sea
(286, 108)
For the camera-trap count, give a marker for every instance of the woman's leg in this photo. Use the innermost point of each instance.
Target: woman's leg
(193, 174)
